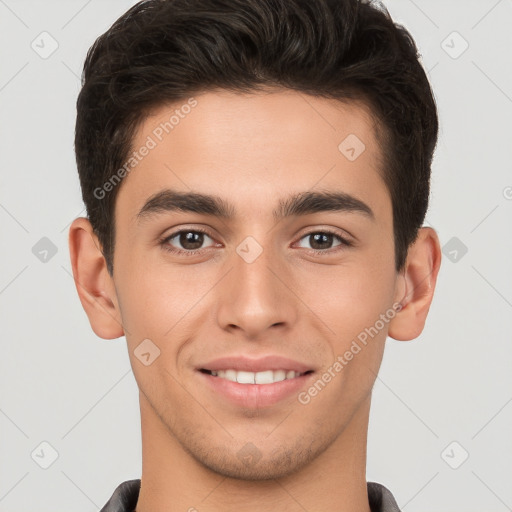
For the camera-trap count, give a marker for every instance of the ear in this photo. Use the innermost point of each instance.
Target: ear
(416, 286)
(94, 284)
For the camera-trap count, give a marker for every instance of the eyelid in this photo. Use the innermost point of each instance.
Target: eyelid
(342, 233)
(345, 242)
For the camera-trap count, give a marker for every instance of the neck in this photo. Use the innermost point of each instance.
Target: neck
(172, 480)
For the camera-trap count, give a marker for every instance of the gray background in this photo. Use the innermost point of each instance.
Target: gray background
(439, 399)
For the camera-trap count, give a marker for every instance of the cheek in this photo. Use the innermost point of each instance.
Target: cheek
(155, 303)
(351, 297)
(351, 302)
(162, 303)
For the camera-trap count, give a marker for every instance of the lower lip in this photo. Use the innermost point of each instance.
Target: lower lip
(255, 395)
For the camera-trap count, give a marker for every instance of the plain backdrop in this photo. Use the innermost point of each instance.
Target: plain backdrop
(440, 426)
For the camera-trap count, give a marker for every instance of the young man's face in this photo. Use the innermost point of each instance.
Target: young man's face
(254, 288)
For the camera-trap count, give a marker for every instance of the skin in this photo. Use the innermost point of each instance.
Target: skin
(253, 150)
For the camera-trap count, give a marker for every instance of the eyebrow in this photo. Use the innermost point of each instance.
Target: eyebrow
(302, 203)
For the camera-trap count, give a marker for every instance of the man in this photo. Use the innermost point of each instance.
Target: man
(256, 175)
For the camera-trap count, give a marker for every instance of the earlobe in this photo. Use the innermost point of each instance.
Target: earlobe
(94, 285)
(418, 284)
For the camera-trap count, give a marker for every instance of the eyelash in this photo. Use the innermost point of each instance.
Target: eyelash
(344, 243)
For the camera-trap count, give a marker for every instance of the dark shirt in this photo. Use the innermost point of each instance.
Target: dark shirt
(126, 495)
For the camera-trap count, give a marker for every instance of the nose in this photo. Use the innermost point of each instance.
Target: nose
(256, 295)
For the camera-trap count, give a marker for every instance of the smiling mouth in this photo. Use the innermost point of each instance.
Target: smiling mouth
(264, 377)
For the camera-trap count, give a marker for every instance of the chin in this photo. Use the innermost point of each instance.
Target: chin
(249, 463)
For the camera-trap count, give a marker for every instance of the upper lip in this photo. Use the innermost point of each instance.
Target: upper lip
(269, 362)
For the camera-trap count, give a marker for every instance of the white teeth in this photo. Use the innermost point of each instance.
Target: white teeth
(265, 377)
(279, 375)
(244, 377)
(230, 374)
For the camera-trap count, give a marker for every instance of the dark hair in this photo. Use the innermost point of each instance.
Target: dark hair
(164, 51)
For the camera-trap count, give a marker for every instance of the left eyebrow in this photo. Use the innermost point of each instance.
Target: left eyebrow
(303, 203)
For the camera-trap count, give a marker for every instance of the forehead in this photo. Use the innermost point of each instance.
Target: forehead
(254, 146)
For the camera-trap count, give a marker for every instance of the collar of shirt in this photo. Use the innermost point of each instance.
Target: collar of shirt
(126, 495)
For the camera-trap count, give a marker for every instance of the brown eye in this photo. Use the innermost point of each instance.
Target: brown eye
(187, 241)
(322, 241)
